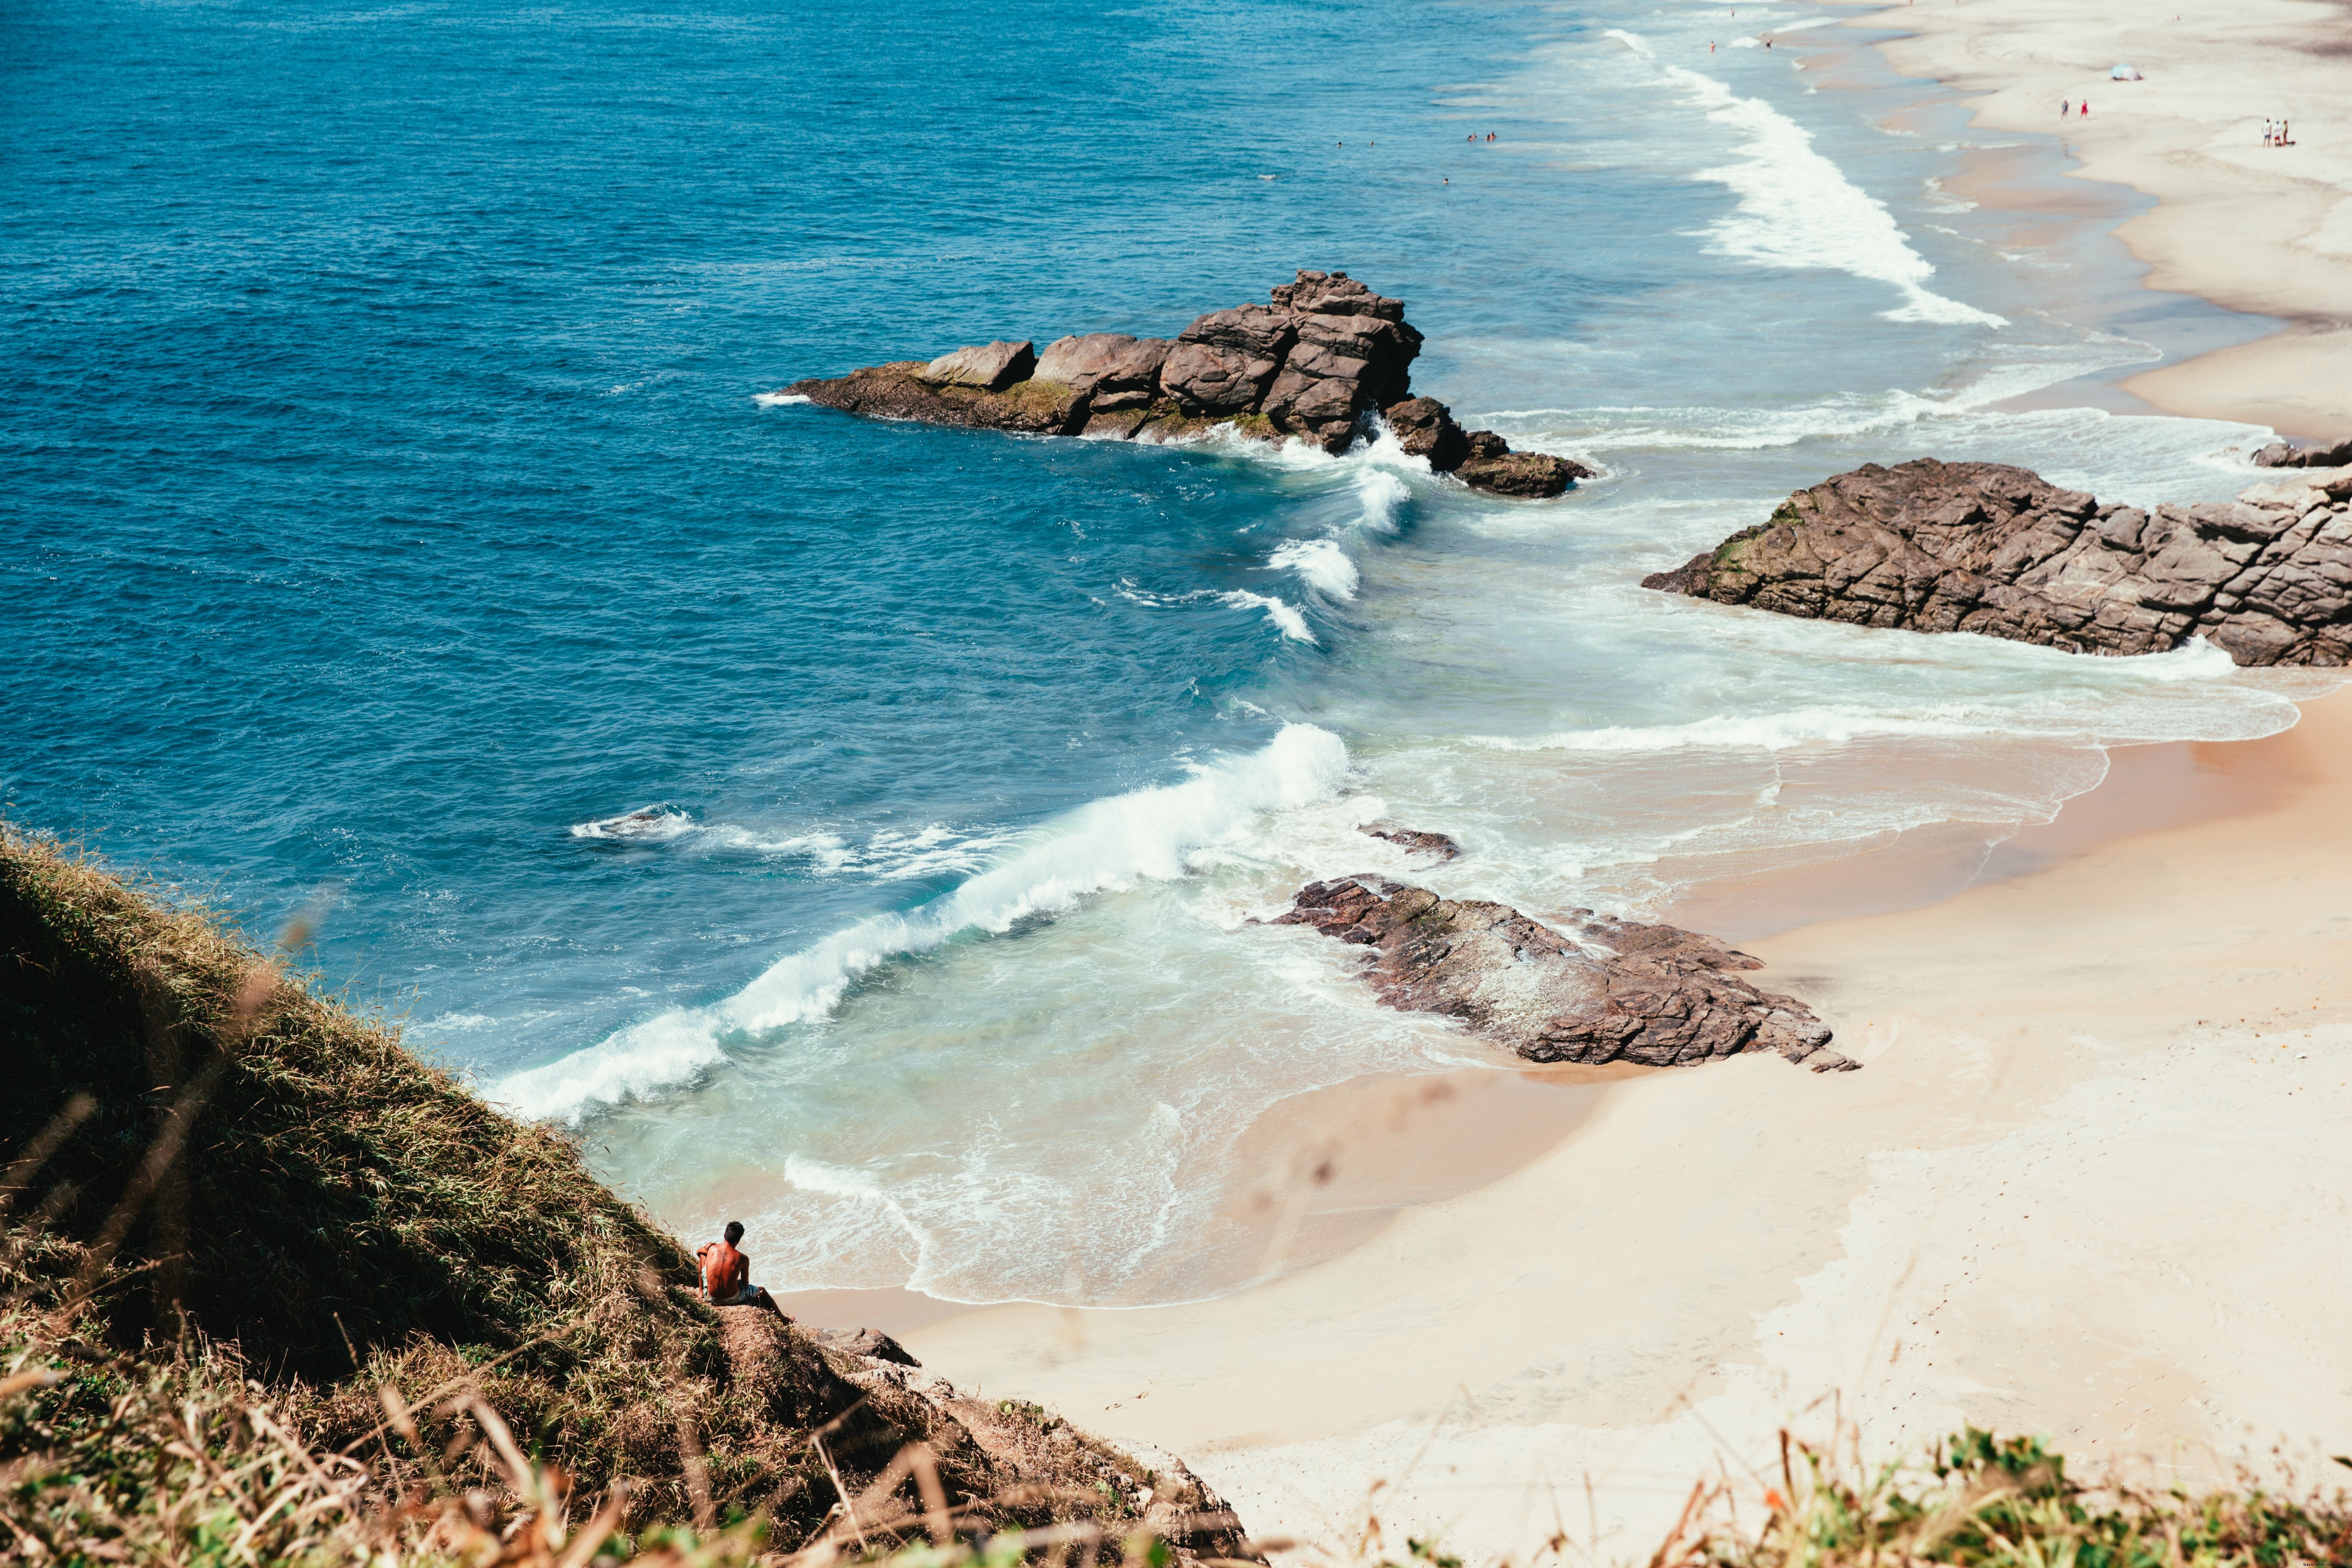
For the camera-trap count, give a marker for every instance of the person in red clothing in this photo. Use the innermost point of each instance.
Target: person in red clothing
(727, 1273)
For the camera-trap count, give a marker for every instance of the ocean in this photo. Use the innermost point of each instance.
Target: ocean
(856, 828)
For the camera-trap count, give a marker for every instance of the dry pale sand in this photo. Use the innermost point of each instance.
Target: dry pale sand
(2259, 230)
(2092, 1182)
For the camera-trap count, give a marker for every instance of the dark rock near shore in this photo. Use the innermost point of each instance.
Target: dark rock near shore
(1425, 429)
(1606, 990)
(1982, 547)
(1316, 363)
(2286, 454)
(1530, 475)
(1412, 839)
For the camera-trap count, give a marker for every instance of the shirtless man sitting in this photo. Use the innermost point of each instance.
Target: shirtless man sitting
(727, 1273)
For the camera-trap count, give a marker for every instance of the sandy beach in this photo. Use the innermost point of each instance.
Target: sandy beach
(2091, 1183)
(2259, 229)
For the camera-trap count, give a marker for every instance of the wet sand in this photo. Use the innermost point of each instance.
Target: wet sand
(2263, 230)
(2090, 1181)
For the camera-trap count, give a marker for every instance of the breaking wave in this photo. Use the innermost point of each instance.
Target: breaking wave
(1149, 834)
(1798, 209)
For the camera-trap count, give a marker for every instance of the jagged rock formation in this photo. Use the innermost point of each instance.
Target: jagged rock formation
(1614, 991)
(2286, 454)
(1313, 363)
(1412, 839)
(1982, 547)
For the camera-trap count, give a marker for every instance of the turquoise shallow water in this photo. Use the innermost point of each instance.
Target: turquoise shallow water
(389, 504)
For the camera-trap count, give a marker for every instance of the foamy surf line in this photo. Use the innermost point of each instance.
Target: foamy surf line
(1149, 834)
(1798, 209)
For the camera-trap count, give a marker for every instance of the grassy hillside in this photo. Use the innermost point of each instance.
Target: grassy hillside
(226, 1191)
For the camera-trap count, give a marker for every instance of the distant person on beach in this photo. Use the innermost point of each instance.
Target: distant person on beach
(2086, 109)
(2285, 140)
(2268, 132)
(2065, 108)
(727, 1273)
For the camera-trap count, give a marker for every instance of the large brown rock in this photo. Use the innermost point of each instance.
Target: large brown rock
(2286, 454)
(1206, 378)
(899, 392)
(1117, 370)
(1605, 991)
(1253, 332)
(1425, 429)
(1986, 548)
(1334, 294)
(1530, 475)
(1322, 409)
(990, 367)
(1312, 363)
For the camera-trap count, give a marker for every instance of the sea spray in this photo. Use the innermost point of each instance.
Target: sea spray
(1107, 843)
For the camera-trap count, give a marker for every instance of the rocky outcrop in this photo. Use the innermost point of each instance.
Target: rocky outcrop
(899, 390)
(1112, 369)
(1420, 843)
(991, 367)
(1982, 547)
(1317, 361)
(1607, 990)
(2286, 454)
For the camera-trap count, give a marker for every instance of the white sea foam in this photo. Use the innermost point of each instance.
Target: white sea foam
(1798, 209)
(646, 824)
(778, 399)
(1281, 612)
(1381, 490)
(1107, 844)
(1321, 564)
(2119, 720)
(1757, 731)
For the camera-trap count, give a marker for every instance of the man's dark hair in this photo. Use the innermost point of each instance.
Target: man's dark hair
(734, 1231)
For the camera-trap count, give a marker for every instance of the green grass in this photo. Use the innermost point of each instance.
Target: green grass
(246, 1233)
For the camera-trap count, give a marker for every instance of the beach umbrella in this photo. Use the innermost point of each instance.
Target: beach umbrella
(2125, 73)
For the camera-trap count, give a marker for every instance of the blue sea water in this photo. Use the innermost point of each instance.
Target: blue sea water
(390, 506)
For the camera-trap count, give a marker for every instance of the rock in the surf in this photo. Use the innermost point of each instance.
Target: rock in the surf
(1983, 547)
(1604, 991)
(1425, 427)
(1420, 843)
(1531, 475)
(2287, 455)
(1317, 362)
(991, 367)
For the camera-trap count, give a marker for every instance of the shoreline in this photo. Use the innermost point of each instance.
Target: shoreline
(2062, 1049)
(2264, 232)
(1722, 1251)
